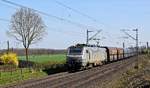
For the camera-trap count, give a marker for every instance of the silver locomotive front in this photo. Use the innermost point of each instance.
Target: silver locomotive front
(74, 58)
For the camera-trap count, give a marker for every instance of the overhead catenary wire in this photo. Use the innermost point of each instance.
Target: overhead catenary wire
(83, 14)
(53, 16)
(79, 12)
(5, 20)
(75, 10)
(56, 17)
(5, 4)
(59, 18)
(50, 15)
(68, 33)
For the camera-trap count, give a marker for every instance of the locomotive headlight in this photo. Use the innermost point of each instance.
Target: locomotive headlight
(83, 60)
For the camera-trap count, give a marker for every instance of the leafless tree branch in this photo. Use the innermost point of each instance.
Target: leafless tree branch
(27, 26)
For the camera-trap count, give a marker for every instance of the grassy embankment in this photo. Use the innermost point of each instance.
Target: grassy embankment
(136, 77)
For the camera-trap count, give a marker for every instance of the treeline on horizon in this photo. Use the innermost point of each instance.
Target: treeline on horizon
(35, 51)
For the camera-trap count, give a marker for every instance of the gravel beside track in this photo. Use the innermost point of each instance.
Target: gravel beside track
(82, 79)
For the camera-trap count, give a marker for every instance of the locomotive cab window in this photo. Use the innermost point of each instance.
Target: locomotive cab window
(75, 51)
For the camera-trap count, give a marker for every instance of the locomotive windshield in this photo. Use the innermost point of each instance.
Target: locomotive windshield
(75, 50)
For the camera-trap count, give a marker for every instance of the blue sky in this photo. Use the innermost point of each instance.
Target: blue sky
(111, 16)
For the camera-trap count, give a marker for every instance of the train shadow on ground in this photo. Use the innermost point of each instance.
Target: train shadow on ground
(57, 69)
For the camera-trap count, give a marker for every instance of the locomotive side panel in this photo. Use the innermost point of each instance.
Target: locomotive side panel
(96, 55)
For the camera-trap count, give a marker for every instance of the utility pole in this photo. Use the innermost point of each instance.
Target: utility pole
(137, 41)
(87, 36)
(123, 49)
(147, 47)
(7, 47)
(137, 46)
(123, 45)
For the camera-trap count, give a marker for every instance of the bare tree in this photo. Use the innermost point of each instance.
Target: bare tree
(27, 27)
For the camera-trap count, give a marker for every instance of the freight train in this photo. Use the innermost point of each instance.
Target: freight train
(82, 56)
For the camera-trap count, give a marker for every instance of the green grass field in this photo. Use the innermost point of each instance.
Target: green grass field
(60, 58)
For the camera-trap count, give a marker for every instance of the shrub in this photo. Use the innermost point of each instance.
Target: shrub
(10, 58)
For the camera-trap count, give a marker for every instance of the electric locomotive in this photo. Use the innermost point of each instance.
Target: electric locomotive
(82, 56)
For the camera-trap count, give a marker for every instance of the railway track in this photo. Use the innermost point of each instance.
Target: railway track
(77, 79)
